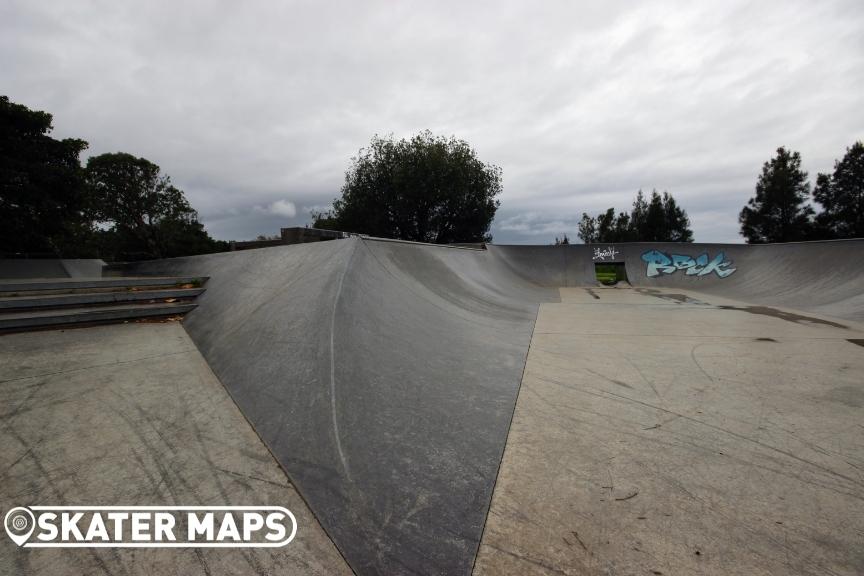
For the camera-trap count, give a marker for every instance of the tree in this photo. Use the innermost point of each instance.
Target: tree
(841, 195)
(42, 197)
(654, 228)
(660, 220)
(622, 232)
(141, 213)
(588, 229)
(779, 212)
(677, 222)
(426, 189)
(639, 214)
(606, 226)
(119, 206)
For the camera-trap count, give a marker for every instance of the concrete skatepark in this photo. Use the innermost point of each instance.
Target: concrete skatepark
(436, 410)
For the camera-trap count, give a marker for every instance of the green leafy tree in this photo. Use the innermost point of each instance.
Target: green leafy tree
(588, 229)
(654, 228)
(606, 226)
(657, 220)
(324, 220)
(639, 214)
(841, 195)
(142, 214)
(623, 231)
(677, 222)
(42, 195)
(426, 189)
(779, 211)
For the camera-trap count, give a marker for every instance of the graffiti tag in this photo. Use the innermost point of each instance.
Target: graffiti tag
(601, 254)
(660, 263)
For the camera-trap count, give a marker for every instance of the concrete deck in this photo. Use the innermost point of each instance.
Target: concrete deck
(132, 415)
(661, 432)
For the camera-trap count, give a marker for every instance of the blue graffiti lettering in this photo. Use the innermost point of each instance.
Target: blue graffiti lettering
(659, 263)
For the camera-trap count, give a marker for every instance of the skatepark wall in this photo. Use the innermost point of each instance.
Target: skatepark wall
(50, 268)
(821, 277)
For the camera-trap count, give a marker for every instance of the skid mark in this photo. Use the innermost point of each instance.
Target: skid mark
(788, 316)
(333, 415)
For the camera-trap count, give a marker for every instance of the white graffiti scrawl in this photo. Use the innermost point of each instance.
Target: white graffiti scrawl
(660, 263)
(610, 252)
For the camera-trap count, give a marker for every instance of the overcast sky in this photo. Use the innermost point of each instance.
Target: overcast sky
(255, 108)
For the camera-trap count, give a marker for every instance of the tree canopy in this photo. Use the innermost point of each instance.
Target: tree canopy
(657, 220)
(426, 189)
(841, 195)
(779, 211)
(42, 193)
(119, 207)
(141, 212)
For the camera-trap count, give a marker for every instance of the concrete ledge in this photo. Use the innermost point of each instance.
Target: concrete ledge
(56, 300)
(25, 320)
(61, 284)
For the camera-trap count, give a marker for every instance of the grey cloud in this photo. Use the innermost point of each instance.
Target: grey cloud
(249, 104)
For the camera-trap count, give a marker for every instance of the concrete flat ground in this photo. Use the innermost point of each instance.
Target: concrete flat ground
(132, 415)
(667, 432)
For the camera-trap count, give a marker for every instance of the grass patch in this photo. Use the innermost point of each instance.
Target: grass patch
(609, 273)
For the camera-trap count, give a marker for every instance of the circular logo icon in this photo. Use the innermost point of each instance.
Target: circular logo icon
(19, 523)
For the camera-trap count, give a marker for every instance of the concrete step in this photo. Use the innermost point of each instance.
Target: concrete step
(8, 287)
(29, 301)
(53, 318)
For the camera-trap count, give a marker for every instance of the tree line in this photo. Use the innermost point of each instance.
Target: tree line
(780, 210)
(659, 219)
(116, 207)
(434, 189)
(427, 188)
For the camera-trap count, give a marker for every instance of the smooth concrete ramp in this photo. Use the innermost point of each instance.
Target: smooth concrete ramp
(383, 375)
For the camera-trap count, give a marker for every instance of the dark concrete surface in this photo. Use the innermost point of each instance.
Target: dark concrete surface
(38, 318)
(50, 268)
(382, 375)
(55, 300)
(59, 284)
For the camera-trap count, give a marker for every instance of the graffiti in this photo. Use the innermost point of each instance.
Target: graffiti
(610, 252)
(660, 263)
